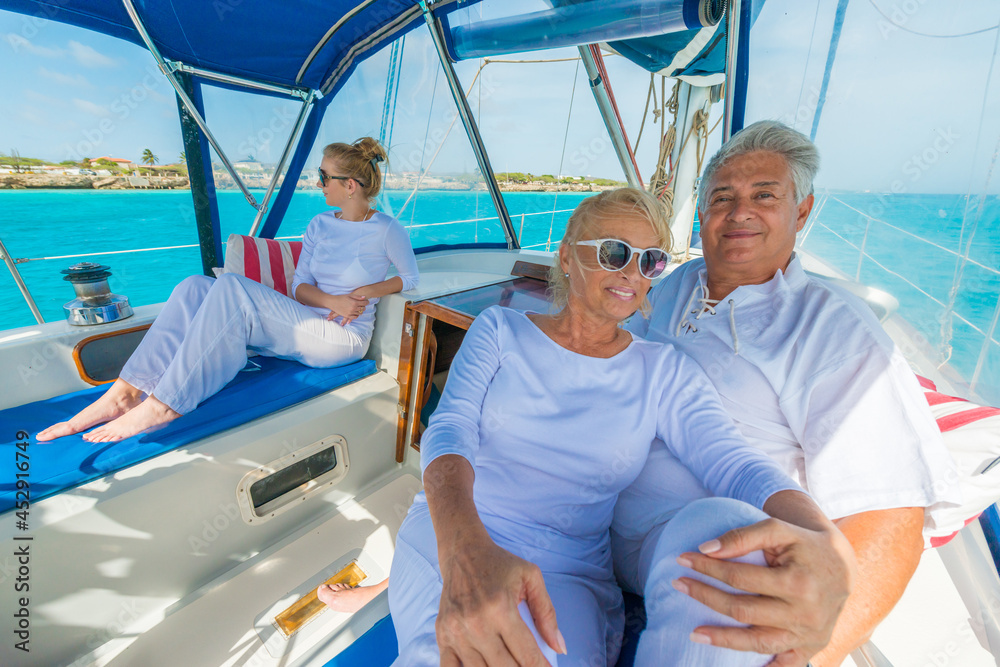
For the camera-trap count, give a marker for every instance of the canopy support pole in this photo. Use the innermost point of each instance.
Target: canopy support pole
(306, 103)
(737, 66)
(465, 113)
(310, 129)
(199, 167)
(615, 130)
(185, 100)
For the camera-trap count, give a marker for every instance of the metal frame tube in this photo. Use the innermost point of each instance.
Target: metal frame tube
(733, 12)
(12, 267)
(176, 66)
(465, 113)
(608, 114)
(281, 162)
(183, 96)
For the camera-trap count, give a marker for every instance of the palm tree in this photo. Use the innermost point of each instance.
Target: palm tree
(148, 157)
(183, 158)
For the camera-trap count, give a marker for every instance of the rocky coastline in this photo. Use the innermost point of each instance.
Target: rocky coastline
(84, 182)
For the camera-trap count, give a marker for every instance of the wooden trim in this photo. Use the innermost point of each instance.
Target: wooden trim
(443, 313)
(404, 376)
(413, 411)
(79, 346)
(524, 269)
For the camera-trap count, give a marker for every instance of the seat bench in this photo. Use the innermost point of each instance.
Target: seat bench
(265, 386)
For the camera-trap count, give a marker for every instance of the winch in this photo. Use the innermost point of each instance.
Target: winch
(95, 304)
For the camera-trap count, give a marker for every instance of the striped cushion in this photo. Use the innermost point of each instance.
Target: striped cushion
(267, 261)
(972, 435)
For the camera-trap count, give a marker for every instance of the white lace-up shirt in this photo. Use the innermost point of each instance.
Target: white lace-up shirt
(811, 378)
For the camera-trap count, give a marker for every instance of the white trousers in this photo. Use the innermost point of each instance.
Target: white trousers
(589, 613)
(649, 566)
(199, 341)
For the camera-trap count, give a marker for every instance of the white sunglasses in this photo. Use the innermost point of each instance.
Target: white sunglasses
(615, 255)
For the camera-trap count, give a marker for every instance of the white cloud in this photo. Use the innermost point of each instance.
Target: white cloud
(89, 57)
(65, 79)
(90, 107)
(21, 45)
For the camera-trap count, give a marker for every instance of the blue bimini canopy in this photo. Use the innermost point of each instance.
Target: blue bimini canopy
(310, 44)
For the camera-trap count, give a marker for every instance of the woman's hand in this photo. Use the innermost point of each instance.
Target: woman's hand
(348, 307)
(798, 596)
(479, 622)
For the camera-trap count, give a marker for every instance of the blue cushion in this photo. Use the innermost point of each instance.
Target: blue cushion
(375, 648)
(70, 461)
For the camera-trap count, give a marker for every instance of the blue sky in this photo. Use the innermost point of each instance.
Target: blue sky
(902, 108)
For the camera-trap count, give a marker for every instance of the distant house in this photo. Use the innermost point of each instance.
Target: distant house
(121, 162)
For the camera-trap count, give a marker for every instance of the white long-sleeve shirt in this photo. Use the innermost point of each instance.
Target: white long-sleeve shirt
(553, 436)
(339, 256)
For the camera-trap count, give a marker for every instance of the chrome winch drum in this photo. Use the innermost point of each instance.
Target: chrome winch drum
(95, 304)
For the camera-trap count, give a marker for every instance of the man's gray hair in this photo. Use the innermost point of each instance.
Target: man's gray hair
(773, 137)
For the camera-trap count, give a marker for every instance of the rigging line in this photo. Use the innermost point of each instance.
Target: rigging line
(645, 109)
(427, 131)
(919, 238)
(492, 217)
(960, 265)
(422, 173)
(901, 277)
(562, 156)
(805, 70)
(395, 92)
(924, 34)
(548, 60)
(110, 252)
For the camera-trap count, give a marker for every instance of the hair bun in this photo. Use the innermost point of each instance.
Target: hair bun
(371, 150)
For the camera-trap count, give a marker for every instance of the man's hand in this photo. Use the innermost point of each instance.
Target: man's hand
(348, 307)
(798, 596)
(478, 622)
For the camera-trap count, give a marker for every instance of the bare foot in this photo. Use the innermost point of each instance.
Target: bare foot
(148, 415)
(115, 402)
(341, 597)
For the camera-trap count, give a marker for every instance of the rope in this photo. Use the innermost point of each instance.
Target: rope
(549, 60)
(645, 112)
(423, 172)
(660, 181)
(924, 34)
(110, 252)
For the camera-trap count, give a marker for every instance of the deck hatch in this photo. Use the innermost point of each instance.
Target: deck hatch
(285, 482)
(301, 472)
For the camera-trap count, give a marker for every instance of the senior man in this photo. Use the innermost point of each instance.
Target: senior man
(810, 377)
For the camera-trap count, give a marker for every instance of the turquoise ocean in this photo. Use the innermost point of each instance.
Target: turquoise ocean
(937, 254)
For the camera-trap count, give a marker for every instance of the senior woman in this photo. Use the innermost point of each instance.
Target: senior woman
(505, 558)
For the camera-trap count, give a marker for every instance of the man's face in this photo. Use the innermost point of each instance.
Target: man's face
(750, 218)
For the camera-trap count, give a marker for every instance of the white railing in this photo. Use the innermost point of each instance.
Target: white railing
(864, 255)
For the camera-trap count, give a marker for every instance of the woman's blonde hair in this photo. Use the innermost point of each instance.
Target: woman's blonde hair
(360, 161)
(600, 207)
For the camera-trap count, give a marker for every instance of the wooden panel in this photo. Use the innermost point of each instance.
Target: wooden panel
(530, 270)
(445, 314)
(103, 366)
(407, 346)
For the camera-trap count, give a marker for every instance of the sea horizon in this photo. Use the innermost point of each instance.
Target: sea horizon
(910, 241)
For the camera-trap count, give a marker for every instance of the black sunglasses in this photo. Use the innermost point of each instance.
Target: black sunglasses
(324, 177)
